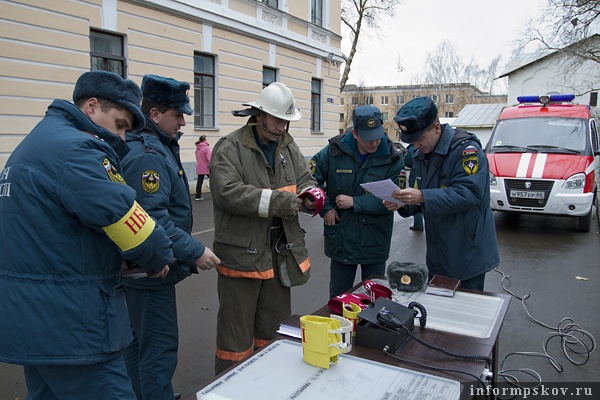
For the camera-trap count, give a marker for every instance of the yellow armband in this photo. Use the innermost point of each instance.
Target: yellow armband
(131, 230)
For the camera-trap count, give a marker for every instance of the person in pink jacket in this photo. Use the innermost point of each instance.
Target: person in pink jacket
(203, 153)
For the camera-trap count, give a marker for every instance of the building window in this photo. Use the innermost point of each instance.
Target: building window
(434, 98)
(204, 91)
(342, 117)
(341, 101)
(385, 117)
(354, 101)
(369, 100)
(593, 99)
(449, 114)
(315, 105)
(272, 3)
(106, 52)
(449, 99)
(316, 12)
(400, 99)
(269, 76)
(384, 100)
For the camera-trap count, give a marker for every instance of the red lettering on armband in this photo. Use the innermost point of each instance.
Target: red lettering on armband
(137, 220)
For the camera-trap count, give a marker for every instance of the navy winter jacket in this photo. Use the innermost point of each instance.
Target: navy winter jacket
(66, 220)
(460, 231)
(153, 168)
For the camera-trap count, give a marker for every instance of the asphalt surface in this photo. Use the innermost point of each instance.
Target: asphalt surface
(544, 256)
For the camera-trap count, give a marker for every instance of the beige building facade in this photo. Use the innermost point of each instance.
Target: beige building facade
(450, 99)
(228, 50)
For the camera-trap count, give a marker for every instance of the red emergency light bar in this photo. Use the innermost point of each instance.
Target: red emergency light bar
(546, 98)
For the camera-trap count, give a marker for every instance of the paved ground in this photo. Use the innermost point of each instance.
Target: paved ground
(543, 256)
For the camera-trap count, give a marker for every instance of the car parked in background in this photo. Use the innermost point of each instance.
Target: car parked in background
(400, 148)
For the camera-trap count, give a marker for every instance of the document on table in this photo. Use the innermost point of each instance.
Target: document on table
(383, 190)
(278, 372)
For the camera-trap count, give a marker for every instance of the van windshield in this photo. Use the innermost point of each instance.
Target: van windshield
(548, 135)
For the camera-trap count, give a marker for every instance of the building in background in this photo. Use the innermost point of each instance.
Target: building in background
(228, 50)
(450, 99)
(557, 72)
(478, 119)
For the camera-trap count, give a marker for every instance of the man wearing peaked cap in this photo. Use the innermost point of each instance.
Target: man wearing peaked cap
(153, 168)
(167, 92)
(368, 123)
(452, 190)
(259, 180)
(357, 226)
(415, 117)
(63, 234)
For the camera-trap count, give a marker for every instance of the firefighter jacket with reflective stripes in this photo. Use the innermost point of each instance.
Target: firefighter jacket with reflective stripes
(248, 194)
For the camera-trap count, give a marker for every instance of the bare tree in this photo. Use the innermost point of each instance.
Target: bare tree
(358, 15)
(563, 23)
(483, 78)
(444, 66)
(567, 28)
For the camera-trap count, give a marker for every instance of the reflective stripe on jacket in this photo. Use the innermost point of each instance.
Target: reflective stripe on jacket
(248, 194)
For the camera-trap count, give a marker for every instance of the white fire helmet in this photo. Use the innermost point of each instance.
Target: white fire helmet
(278, 101)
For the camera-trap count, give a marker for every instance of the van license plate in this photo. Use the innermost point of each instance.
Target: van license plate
(524, 194)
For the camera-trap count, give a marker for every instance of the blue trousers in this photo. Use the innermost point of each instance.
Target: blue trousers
(102, 381)
(151, 357)
(342, 275)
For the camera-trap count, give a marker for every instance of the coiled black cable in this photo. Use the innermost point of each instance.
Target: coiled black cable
(388, 320)
(423, 317)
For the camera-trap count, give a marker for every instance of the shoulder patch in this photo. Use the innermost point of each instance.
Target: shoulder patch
(470, 150)
(470, 164)
(150, 181)
(312, 165)
(112, 172)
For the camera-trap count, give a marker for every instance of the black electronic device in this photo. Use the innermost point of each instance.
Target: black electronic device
(384, 323)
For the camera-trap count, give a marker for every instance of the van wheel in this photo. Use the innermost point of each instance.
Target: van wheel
(584, 224)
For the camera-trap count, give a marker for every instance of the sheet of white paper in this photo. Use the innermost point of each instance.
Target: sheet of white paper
(383, 190)
(293, 331)
(278, 372)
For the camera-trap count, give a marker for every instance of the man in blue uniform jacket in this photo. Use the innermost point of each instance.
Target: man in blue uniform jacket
(153, 168)
(452, 190)
(67, 219)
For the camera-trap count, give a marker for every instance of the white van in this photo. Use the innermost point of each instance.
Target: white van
(544, 159)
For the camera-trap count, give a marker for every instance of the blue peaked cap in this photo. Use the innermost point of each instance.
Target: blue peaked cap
(367, 121)
(168, 92)
(413, 117)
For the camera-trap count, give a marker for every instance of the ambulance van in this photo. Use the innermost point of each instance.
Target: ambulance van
(544, 158)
